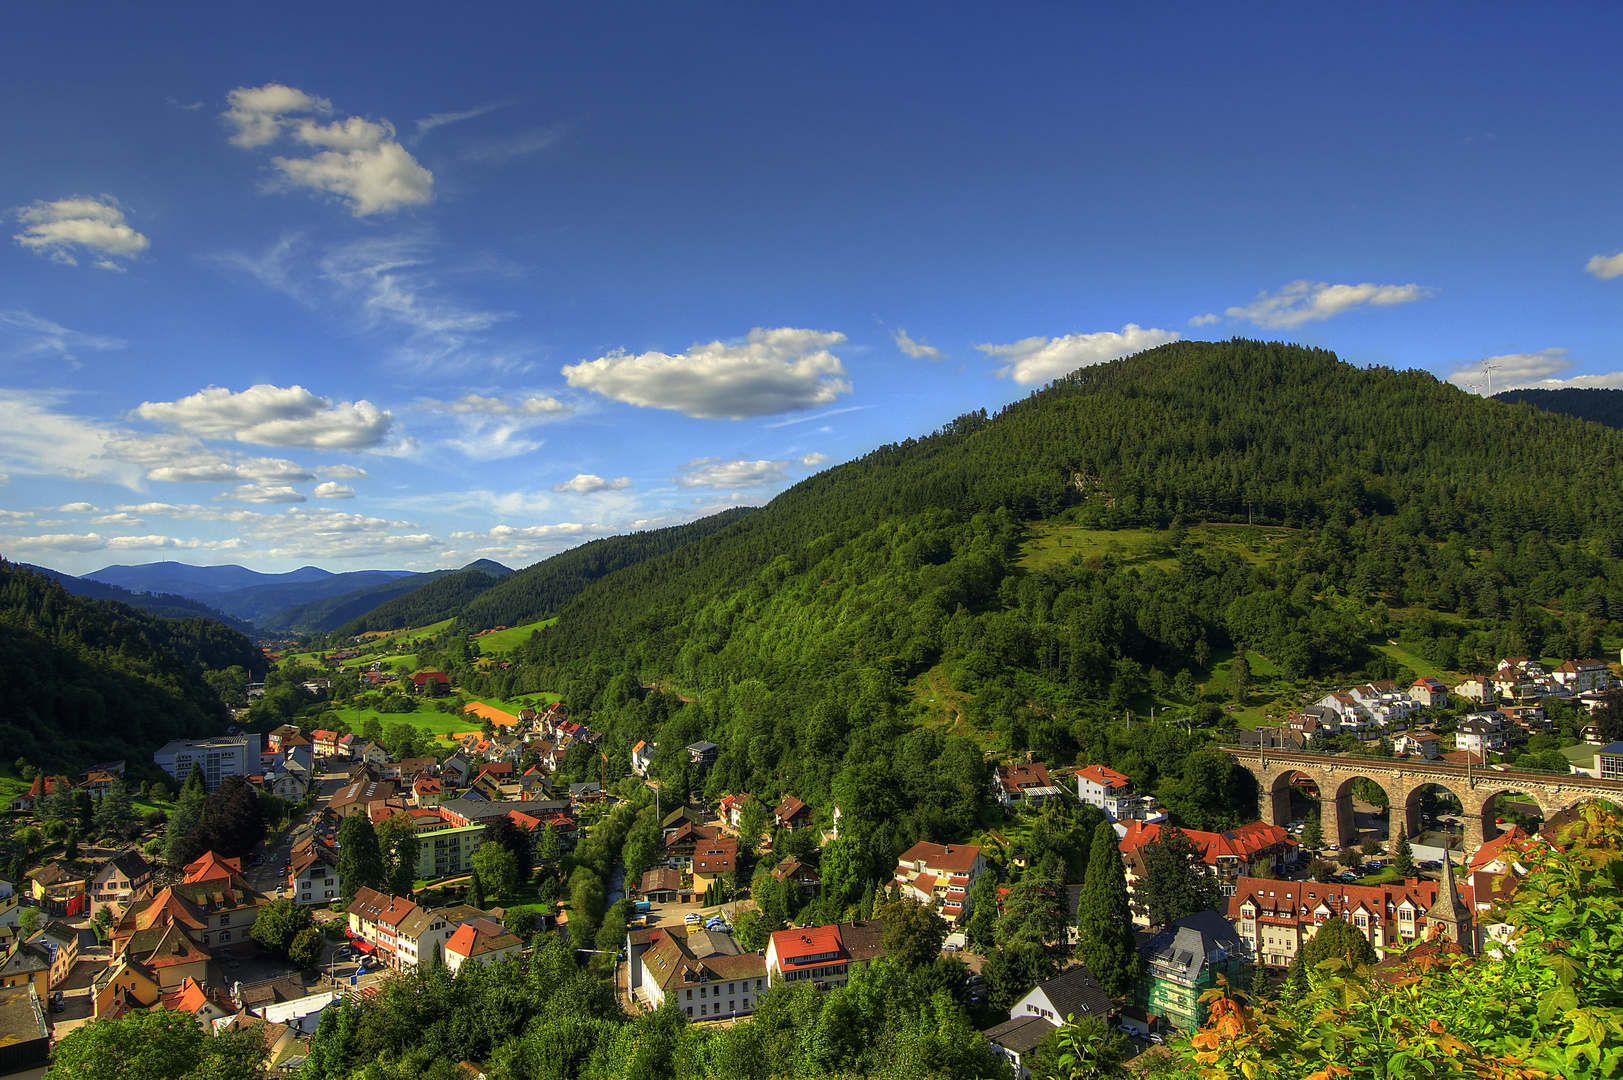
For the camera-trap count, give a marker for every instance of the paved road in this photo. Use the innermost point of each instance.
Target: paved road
(270, 877)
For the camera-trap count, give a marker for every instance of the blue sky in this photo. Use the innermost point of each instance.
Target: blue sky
(408, 286)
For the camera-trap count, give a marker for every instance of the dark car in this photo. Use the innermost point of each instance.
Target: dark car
(58, 1002)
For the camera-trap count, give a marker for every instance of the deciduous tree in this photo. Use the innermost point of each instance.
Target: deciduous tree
(497, 869)
(1176, 881)
(360, 863)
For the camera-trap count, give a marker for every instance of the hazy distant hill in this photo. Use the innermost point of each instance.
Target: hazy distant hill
(243, 593)
(163, 605)
(90, 680)
(1601, 406)
(364, 605)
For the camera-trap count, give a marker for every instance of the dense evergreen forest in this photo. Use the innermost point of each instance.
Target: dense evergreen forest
(1601, 406)
(540, 590)
(92, 680)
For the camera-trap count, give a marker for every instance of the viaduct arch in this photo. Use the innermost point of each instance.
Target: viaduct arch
(1402, 779)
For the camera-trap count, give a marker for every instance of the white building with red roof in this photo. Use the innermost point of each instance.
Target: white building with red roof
(1109, 790)
(929, 873)
(1024, 783)
(482, 941)
(808, 952)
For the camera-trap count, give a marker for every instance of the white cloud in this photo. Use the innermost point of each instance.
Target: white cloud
(772, 371)
(1606, 267)
(429, 123)
(57, 542)
(75, 508)
(272, 416)
(1306, 301)
(359, 161)
(586, 483)
(473, 404)
(16, 515)
(341, 472)
(34, 336)
(384, 279)
(149, 542)
(1531, 370)
(918, 350)
(1039, 359)
(58, 229)
(128, 521)
(715, 473)
(259, 112)
(1203, 320)
(330, 490)
(490, 427)
(811, 461)
(263, 493)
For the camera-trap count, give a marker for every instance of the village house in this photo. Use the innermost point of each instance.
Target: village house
(42, 787)
(324, 742)
(1184, 961)
(1427, 744)
(1429, 693)
(1482, 733)
(118, 880)
(482, 941)
(713, 863)
(797, 875)
(61, 887)
(313, 872)
(940, 874)
(1074, 992)
(1024, 785)
(642, 755)
(706, 972)
(731, 809)
(1109, 790)
(702, 753)
(792, 814)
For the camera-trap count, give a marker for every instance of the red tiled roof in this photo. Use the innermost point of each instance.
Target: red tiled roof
(1103, 775)
(942, 857)
(808, 941)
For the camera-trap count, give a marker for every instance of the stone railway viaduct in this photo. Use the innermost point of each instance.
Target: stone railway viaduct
(1474, 785)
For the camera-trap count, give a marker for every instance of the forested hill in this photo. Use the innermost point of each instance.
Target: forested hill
(801, 626)
(333, 612)
(543, 588)
(161, 605)
(1601, 406)
(430, 601)
(93, 680)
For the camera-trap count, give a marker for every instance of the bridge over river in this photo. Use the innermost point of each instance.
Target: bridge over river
(1402, 779)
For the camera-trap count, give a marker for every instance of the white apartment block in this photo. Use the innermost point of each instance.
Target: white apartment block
(221, 758)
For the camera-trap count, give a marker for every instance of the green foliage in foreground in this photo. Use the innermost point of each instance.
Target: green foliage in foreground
(156, 1045)
(1551, 1008)
(555, 1021)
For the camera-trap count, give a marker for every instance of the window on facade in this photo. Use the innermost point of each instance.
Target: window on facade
(225, 935)
(225, 920)
(690, 998)
(690, 1010)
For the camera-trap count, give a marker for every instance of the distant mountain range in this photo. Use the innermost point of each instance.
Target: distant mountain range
(1601, 406)
(163, 605)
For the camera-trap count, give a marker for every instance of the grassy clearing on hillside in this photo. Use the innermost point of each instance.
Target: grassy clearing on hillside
(505, 640)
(1060, 543)
(944, 708)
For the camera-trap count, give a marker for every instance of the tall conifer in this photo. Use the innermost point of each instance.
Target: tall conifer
(1104, 919)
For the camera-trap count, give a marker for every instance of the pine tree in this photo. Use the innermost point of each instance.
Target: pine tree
(1177, 882)
(114, 811)
(439, 955)
(195, 781)
(865, 907)
(1313, 831)
(1104, 918)
(186, 816)
(476, 891)
(1403, 856)
(72, 850)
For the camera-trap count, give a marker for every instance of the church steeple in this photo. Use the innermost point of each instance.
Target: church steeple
(1450, 913)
